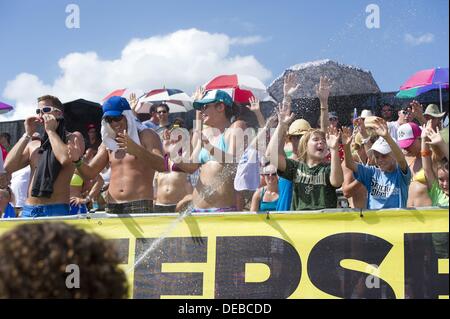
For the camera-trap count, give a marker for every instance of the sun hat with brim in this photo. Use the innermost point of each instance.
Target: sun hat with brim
(115, 106)
(214, 96)
(299, 127)
(407, 134)
(370, 121)
(381, 146)
(433, 110)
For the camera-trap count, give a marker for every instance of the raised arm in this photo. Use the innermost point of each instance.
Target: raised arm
(426, 156)
(256, 109)
(285, 117)
(382, 130)
(346, 140)
(19, 156)
(150, 150)
(323, 92)
(95, 166)
(437, 141)
(336, 175)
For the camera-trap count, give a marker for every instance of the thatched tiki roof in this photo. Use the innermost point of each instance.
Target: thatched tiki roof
(347, 80)
(352, 87)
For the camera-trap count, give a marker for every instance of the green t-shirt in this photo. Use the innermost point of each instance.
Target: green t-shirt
(311, 186)
(438, 197)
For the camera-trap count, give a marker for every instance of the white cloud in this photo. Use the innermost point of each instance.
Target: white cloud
(423, 39)
(184, 59)
(247, 40)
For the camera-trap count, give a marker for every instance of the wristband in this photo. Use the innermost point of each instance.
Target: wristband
(26, 136)
(426, 153)
(78, 163)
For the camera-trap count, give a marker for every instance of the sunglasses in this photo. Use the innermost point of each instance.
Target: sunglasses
(46, 109)
(110, 119)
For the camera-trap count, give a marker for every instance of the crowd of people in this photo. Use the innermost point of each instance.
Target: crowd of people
(233, 159)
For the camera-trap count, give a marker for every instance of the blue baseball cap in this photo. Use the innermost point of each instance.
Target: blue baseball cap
(214, 96)
(114, 106)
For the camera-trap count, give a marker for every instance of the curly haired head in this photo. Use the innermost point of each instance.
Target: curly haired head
(34, 259)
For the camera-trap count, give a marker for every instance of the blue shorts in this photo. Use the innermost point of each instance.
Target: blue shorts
(78, 209)
(46, 210)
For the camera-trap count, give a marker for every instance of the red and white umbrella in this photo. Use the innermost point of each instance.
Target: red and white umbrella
(177, 100)
(240, 87)
(123, 92)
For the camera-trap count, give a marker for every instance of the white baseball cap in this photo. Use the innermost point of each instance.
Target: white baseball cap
(381, 146)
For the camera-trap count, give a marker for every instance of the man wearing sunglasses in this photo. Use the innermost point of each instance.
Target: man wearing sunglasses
(51, 166)
(133, 153)
(405, 115)
(162, 112)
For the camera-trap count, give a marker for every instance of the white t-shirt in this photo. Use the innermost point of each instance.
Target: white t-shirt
(20, 181)
(392, 128)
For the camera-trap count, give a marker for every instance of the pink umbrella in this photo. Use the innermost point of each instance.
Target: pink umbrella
(240, 87)
(5, 108)
(424, 81)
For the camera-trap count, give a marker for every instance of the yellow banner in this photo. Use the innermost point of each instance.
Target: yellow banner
(383, 254)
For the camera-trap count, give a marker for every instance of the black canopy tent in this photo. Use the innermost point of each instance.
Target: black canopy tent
(80, 113)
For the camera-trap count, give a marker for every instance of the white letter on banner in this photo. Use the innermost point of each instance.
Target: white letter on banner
(373, 280)
(373, 20)
(73, 280)
(73, 19)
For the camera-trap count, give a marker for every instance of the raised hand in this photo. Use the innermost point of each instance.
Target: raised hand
(425, 128)
(324, 88)
(50, 122)
(346, 135)
(254, 104)
(285, 116)
(31, 124)
(198, 94)
(381, 127)
(289, 86)
(126, 143)
(74, 150)
(133, 100)
(332, 138)
(360, 126)
(435, 137)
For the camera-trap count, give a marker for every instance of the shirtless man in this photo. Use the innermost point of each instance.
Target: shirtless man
(214, 191)
(170, 187)
(133, 161)
(410, 142)
(46, 199)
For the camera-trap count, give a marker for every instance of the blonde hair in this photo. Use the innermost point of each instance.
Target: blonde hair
(303, 144)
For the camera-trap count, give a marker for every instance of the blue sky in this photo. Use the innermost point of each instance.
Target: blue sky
(269, 35)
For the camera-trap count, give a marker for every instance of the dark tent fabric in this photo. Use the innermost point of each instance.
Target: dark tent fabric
(80, 113)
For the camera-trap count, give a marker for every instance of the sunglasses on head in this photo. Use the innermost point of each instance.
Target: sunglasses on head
(46, 109)
(110, 119)
(270, 174)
